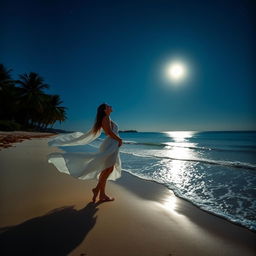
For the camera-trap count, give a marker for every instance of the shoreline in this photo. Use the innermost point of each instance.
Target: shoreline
(40, 205)
(190, 202)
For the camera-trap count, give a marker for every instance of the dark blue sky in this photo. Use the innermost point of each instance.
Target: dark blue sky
(91, 52)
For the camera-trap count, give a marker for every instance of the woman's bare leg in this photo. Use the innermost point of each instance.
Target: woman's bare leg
(96, 190)
(102, 184)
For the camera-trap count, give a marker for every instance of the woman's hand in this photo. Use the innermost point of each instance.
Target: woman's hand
(120, 142)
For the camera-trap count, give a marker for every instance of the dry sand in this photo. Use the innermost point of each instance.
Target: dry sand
(45, 212)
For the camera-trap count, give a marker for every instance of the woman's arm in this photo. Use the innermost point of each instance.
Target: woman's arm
(107, 129)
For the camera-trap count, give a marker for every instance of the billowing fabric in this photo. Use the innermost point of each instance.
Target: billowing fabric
(74, 139)
(87, 165)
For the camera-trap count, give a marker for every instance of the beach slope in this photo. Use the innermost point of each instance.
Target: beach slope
(45, 212)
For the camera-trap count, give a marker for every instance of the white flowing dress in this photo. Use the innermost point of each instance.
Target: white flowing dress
(87, 165)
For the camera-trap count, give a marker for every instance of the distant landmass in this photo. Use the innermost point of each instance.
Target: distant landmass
(53, 130)
(128, 131)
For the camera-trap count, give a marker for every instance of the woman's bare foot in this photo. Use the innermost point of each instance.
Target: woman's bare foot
(105, 198)
(95, 193)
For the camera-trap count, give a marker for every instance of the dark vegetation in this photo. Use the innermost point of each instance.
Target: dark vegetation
(25, 106)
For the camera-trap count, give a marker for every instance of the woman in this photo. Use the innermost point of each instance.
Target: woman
(103, 121)
(103, 164)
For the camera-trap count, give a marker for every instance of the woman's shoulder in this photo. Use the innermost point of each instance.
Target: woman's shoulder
(105, 121)
(107, 118)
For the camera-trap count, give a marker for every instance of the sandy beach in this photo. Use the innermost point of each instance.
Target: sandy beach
(45, 212)
(8, 139)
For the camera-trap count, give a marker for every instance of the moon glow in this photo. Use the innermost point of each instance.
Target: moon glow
(175, 71)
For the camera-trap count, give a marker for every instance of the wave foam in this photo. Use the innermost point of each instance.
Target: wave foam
(235, 164)
(169, 145)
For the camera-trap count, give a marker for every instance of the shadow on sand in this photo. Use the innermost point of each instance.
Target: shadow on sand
(57, 233)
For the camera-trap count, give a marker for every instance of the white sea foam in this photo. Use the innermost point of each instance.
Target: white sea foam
(234, 164)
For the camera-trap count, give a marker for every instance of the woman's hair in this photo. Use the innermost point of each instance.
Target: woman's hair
(98, 120)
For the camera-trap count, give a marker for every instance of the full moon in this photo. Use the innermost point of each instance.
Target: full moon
(176, 71)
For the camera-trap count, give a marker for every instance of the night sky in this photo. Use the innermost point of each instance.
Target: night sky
(91, 52)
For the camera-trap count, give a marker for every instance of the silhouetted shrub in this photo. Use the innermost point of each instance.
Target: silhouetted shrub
(6, 125)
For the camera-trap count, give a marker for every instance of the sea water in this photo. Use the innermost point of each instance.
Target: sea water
(216, 171)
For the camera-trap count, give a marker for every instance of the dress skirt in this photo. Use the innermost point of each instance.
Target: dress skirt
(88, 165)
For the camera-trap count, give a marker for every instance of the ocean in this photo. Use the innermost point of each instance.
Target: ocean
(215, 171)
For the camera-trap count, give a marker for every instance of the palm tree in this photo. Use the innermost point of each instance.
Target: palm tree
(53, 111)
(32, 96)
(8, 95)
(28, 104)
(5, 77)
